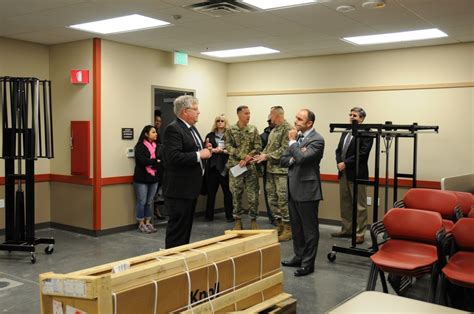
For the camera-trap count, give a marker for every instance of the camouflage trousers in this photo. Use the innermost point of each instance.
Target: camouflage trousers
(277, 195)
(247, 181)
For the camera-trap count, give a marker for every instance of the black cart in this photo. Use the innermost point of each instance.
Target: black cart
(27, 134)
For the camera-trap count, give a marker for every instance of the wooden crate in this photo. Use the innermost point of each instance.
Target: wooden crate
(91, 290)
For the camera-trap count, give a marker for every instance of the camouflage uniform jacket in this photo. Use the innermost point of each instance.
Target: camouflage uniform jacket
(241, 142)
(277, 144)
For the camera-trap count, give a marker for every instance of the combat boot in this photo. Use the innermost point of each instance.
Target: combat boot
(253, 224)
(279, 226)
(286, 234)
(237, 224)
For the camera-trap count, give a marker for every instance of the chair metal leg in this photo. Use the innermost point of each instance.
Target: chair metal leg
(442, 300)
(384, 281)
(434, 283)
(372, 278)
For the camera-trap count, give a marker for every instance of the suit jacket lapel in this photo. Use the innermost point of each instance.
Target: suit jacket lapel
(307, 137)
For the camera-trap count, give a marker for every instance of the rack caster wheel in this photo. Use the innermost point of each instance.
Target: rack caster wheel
(33, 258)
(49, 249)
(332, 256)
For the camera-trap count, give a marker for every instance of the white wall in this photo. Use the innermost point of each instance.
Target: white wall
(287, 81)
(128, 74)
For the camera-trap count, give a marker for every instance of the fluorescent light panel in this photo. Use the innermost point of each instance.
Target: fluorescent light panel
(240, 52)
(272, 4)
(396, 37)
(120, 24)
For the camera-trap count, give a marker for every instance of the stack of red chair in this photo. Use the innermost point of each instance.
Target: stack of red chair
(444, 202)
(413, 248)
(459, 270)
(466, 203)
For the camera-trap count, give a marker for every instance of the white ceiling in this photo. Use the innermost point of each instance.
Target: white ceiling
(308, 30)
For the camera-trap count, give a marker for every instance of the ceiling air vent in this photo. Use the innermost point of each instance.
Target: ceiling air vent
(218, 8)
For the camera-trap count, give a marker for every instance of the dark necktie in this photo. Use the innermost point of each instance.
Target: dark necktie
(195, 137)
(300, 138)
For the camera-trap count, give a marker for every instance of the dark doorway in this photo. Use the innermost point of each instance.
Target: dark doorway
(163, 101)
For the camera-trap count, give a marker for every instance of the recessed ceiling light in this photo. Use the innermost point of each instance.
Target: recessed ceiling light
(396, 37)
(120, 24)
(240, 52)
(345, 8)
(273, 4)
(374, 4)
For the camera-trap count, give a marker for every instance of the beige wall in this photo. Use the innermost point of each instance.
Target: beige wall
(42, 203)
(448, 153)
(128, 74)
(71, 204)
(70, 102)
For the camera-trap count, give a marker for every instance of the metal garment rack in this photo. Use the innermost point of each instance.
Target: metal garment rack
(388, 132)
(27, 134)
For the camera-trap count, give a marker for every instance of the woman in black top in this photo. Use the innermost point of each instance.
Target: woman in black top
(217, 173)
(145, 177)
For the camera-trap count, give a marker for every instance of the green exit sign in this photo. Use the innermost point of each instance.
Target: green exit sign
(180, 58)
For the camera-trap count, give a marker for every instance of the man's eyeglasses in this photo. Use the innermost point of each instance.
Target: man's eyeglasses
(354, 115)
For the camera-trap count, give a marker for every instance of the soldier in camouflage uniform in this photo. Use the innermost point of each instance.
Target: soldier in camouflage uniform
(242, 144)
(277, 177)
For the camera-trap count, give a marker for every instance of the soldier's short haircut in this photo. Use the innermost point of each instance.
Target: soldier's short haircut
(183, 102)
(240, 108)
(279, 110)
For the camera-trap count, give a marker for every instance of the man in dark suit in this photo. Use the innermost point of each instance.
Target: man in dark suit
(304, 153)
(345, 158)
(184, 155)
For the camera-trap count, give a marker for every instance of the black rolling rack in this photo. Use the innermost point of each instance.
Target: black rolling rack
(27, 134)
(388, 132)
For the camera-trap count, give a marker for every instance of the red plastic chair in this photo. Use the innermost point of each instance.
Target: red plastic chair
(412, 249)
(443, 202)
(465, 201)
(459, 269)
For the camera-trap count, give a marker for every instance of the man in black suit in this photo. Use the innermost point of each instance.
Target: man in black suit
(184, 156)
(345, 158)
(304, 153)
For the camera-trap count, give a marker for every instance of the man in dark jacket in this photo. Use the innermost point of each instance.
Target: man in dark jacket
(184, 155)
(345, 158)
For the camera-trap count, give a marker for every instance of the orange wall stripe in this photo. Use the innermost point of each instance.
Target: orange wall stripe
(117, 180)
(96, 126)
(129, 179)
(71, 179)
(401, 182)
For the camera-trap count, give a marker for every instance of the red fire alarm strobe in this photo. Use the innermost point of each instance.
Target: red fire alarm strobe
(80, 76)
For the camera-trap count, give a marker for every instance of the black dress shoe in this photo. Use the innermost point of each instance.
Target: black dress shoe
(291, 262)
(303, 271)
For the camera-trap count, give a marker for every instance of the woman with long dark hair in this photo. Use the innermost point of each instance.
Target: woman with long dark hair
(217, 173)
(145, 177)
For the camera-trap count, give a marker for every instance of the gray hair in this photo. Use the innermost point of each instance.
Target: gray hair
(183, 102)
(360, 111)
